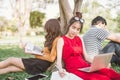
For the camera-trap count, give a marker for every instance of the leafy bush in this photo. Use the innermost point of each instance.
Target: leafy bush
(36, 19)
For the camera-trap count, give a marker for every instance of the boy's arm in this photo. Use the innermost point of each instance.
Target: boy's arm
(114, 38)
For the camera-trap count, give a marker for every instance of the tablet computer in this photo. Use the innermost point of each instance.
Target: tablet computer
(37, 77)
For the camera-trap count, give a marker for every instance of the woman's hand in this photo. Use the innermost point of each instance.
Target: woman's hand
(62, 72)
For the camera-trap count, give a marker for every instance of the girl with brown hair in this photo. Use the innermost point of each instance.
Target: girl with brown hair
(38, 64)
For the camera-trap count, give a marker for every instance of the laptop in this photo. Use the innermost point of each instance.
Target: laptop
(100, 61)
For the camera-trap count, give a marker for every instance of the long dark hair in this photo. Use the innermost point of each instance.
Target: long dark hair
(52, 27)
(77, 17)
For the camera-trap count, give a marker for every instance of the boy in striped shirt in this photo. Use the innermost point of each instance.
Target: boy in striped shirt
(94, 37)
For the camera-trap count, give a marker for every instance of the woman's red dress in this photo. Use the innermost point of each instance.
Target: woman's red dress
(73, 60)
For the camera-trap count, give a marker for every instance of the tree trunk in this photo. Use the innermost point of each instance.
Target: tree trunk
(66, 12)
(77, 6)
(21, 13)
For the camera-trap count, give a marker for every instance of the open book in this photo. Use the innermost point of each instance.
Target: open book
(31, 49)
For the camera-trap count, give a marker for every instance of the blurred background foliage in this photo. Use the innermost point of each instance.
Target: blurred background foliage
(118, 23)
(36, 19)
(90, 9)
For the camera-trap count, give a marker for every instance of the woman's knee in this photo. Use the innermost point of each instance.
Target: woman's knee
(11, 60)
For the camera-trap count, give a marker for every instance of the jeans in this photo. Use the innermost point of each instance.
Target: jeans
(113, 47)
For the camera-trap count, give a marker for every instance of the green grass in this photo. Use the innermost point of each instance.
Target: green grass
(13, 50)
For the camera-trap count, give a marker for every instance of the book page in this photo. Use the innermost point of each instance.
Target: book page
(30, 48)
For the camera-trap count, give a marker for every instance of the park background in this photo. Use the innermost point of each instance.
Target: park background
(24, 19)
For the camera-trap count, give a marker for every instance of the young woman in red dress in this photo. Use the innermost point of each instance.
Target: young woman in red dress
(70, 50)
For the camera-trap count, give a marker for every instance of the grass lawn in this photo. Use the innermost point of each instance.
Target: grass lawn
(14, 51)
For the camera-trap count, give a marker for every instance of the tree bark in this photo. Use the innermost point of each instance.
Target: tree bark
(66, 12)
(21, 13)
(77, 6)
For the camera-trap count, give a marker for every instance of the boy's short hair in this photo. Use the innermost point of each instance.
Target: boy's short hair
(97, 20)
